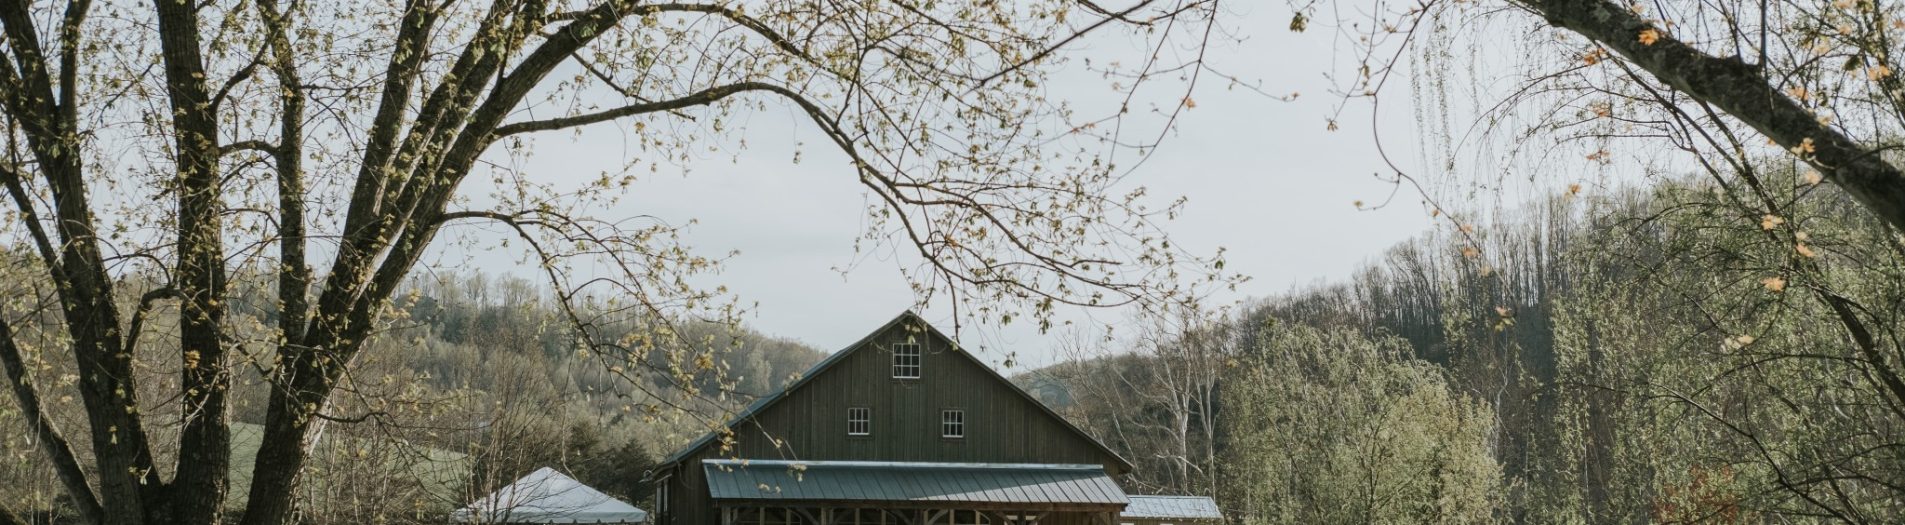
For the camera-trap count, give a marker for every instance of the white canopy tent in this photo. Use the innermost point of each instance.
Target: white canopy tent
(547, 496)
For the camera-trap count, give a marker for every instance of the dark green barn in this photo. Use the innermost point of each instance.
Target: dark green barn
(902, 427)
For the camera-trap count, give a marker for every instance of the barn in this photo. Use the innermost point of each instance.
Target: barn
(901, 427)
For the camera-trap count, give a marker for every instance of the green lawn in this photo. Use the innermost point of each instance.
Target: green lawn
(439, 474)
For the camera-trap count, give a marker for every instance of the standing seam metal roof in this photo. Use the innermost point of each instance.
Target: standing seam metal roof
(548, 496)
(1032, 484)
(1173, 507)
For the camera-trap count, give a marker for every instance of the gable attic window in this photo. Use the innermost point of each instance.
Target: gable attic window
(906, 361)
(952, 424)
(859, 421)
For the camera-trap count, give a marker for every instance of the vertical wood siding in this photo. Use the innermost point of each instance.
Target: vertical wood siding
(1002, 426)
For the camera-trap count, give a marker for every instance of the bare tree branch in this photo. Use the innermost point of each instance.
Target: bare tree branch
(1739, 89)
(699, 98)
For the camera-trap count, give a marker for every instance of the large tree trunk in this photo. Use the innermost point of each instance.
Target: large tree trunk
(197, 492)
(284, 448)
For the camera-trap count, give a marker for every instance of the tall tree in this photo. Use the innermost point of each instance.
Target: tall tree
(296, 135)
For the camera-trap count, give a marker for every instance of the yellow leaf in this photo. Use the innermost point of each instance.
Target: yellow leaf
(1804, 250)
(1770, 221)
(1813, 177)
(1649, 36)
(1774, 283)
(1189, 103)
(1804, 147)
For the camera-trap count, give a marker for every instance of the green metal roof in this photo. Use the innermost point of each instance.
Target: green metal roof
(1019, 485)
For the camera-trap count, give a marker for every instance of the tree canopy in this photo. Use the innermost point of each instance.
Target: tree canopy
(153, 149)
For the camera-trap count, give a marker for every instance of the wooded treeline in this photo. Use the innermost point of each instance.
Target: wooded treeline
(476, 381)
(1649, 355)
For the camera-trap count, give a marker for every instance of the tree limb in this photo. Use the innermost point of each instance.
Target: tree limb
(52, 443)
(139, 315)
(1738, 89)
(703, 97)
(260, 146)
(69, 61)
(294, 274)
(30, 216)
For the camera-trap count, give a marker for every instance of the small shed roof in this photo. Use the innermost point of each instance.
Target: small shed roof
(547, 496)
(1173, 507)
(996, 485)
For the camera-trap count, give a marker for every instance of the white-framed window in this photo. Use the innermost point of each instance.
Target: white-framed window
(859, 421)
(952, 423)
(906, 361)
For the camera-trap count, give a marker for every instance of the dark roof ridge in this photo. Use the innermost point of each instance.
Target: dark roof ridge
(946, 465)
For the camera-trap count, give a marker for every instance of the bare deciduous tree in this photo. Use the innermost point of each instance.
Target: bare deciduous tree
(1155, 395)
(174, 140)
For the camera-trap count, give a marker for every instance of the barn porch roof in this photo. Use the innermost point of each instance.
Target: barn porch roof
(913, 484)
(1173, 507)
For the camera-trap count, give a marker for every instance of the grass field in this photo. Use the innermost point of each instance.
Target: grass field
(344, 467)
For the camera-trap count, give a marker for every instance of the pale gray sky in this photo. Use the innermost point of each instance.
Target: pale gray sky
(1263, 177)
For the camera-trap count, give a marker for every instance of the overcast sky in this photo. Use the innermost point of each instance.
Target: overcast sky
(1263, 178)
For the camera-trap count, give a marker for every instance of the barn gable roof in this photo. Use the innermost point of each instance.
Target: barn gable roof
(767, 401)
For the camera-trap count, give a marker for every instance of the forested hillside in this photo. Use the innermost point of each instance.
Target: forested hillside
(1653, 355)
(478, 380)
(1650, 355)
